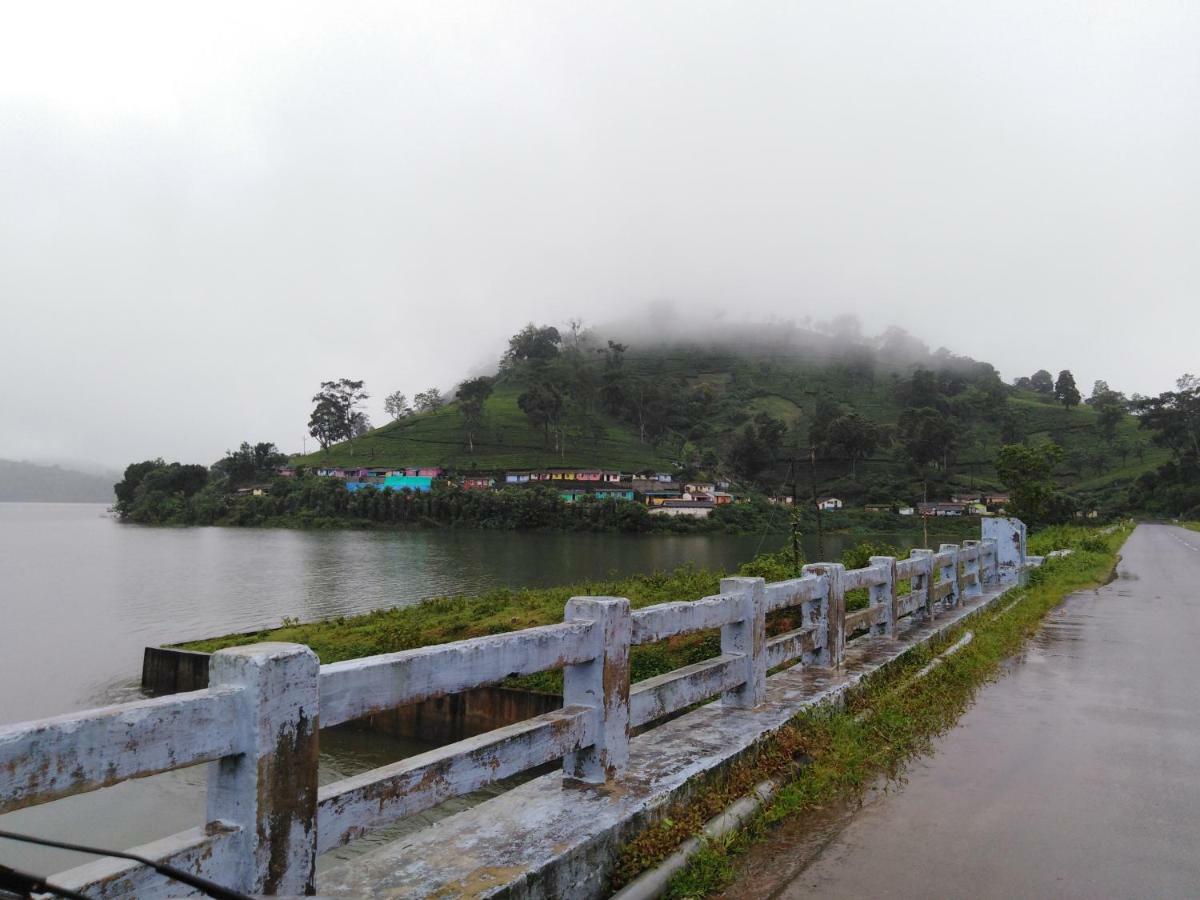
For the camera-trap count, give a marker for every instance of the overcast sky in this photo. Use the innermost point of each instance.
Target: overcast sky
(208, 208)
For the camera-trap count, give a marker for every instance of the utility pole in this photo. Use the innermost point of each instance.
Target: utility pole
(812, 476)
(795, 524)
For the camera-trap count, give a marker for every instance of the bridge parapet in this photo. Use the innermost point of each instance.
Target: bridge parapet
(257, 725)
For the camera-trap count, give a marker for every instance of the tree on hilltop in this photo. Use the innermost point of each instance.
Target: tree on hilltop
(471, 396)
(395, 405)
(1042, 382)
(1065, 391)
(337, 415)
(429, 400)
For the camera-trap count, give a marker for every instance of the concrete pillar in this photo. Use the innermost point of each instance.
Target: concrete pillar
(1009, 535)
(885, 597)
(922, 580)
(973, 587)
(748, 637)
(603, 684)
(950, 573)
(989, 570)
(833, 612)
(270, 789)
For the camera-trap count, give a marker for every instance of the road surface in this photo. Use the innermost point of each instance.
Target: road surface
(1075, 775)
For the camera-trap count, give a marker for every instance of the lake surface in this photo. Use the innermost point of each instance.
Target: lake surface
(81, 596)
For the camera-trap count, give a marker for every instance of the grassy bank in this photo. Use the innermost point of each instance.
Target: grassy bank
(883, 725)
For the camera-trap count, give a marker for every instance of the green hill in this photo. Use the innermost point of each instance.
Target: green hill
(687, 406)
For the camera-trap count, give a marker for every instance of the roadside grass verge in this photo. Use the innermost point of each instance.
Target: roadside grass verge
(832, 754)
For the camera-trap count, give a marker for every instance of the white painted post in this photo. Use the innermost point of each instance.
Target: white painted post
(748, 637)
(922, 579)
(603, 684)
(949, 572)
(885, 597)
(973, 589)
(990, 570)
(833, 612)
(270, 790)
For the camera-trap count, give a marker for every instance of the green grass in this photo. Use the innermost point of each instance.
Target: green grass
(506, 441)
(882, 726)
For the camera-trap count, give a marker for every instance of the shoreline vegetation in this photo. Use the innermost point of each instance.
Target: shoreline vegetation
(314, 503)
(831, 755)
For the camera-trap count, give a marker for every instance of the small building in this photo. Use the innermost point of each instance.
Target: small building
(695, 509)
(611, 477)
(781, 499)
(423, 471)
(722, 498)
(700, 488)
(614, 493)
(573, 494)
(286, 472)
(829, 503)
(965, 498)
(516, 477)
(906, 511)
(878, 507)
(477, 482)
(942, 508)
(977, 508)
(996, 502)
(658, 498)
(421, 484)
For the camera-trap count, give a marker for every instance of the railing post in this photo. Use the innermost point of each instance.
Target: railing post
(833, 612)
(973, 589)
(990, 573)
(922, 579)
(748, 637)
(885, 597)
(270, 789)
(949, 572)
(603, 684)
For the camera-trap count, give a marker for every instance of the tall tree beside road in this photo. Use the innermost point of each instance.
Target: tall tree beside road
(1027, 471)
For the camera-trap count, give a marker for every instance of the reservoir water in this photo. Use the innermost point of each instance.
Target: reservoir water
(81, 596)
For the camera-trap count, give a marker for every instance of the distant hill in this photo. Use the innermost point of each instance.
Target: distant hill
(683, 404)
(29, 482)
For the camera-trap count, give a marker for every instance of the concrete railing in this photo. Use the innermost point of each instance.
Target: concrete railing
(257, 724)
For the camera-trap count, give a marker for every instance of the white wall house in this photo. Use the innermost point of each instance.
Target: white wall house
(829, 503)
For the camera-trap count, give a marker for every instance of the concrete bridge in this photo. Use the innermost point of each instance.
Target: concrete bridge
(257, 727)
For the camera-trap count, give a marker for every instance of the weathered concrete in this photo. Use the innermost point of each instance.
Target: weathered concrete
(546, 839)
(1072, 776)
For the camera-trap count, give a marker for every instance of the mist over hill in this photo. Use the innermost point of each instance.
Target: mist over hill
(869, 417)
(25, 482)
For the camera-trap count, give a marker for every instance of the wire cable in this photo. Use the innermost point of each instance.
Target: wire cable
(211, 888)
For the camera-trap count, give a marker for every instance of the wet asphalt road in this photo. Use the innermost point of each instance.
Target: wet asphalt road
(1075, 775)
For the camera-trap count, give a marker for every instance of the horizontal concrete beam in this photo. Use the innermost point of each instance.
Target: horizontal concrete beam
(665, 620)
(52, 758)
(358, 687)
(352, 806)
(794, 591)
(664, 694)
(211, 852)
